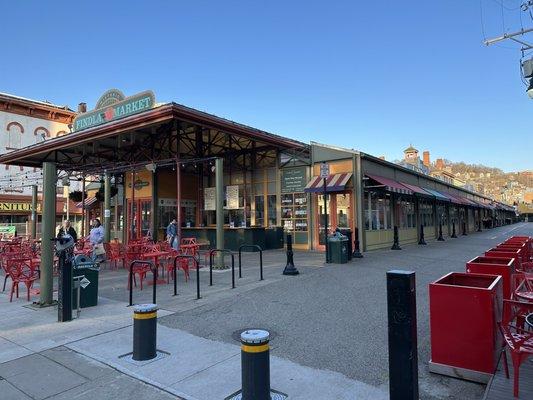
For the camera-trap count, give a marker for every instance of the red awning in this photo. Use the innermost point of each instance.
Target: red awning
(334, 183)
(88, 201)
(418, 190)
(389, 184)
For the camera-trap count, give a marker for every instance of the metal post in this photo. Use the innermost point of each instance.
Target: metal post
(48, 232)
(178, 200)
(454, 235)
(440, 238)
(396, 244)
(464, 229)
(34, 212)
(133, 234)
(422, 240)
(326, 219)
(403, 353)
(83, 230)
(219, 183)
(107, 208)
(290, 269)
(64, 290)
(357, 247)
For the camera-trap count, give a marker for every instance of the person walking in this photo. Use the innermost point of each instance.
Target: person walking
(96, 238)
(172, 234)
(67, 229)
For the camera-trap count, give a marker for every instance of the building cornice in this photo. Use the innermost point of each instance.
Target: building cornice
(35, 109)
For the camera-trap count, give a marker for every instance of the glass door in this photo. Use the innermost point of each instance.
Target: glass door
(322, 217)
(139, 218)
(340, 215)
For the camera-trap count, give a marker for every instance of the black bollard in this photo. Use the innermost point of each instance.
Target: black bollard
(255, 365)
(290, 269)
(479, 226)
(396, 244)
(255, 368)
(144, 332)
(440, 238)
(403, 353)
(422, 240)
(464, 229)
(357, 250)
(453, 230)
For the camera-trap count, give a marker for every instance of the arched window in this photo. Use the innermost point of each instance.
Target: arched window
(14, 135)
(41, 134)
(61, 133)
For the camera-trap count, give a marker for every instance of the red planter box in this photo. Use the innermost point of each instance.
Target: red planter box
(524, 246)
(515, 246)
(503, 266)
(506, 252)
(463, 311)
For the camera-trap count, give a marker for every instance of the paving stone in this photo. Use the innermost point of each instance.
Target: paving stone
(39, 377)
(9, 392)
(78, 363)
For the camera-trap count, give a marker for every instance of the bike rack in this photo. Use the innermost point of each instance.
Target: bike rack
(196, 263)
(211, 256)
(154, 272)
(252, 246)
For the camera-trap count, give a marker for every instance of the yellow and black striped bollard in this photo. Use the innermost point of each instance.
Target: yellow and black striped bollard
(144, 332)
(255, 359)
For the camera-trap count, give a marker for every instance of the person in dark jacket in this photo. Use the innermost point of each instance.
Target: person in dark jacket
(67, 229)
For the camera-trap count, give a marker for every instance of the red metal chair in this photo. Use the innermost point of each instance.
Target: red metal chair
(113, 253)
(519, 341)
(140, 269)
(186, 241)
(522, 285)
(21, 271)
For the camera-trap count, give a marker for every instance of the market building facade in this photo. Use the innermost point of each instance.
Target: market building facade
(159, 162)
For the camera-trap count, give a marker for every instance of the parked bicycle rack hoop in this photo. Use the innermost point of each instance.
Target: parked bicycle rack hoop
(154, 273)
(258, 248)
(212, 256)
(196, 263)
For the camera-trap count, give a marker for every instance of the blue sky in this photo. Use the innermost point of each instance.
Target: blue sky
(375, 76)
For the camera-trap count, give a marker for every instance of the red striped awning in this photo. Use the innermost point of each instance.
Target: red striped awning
(418, 190)
(334, 183)
(88, 201)
(389, 184)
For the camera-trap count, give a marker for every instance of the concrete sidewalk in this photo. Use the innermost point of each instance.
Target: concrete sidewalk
(328, 327)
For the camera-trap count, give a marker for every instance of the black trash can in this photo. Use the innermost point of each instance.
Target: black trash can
(338, 249)
(348, 233)
(88, 284)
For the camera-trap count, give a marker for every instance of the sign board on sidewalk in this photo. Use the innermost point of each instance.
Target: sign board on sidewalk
(324, 170)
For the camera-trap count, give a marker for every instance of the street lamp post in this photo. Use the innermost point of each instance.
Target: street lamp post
(324, 173)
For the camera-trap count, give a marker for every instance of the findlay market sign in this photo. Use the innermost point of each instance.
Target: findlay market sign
(112, 106)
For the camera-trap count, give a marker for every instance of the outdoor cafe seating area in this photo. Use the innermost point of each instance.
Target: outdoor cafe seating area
(484, 316)
(20, 260)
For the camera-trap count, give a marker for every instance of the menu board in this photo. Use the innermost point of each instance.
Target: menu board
(293, 179)
(210, 201)
(232, 197)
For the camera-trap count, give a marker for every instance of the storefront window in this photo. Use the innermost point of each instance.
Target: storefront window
(272, 210)
(377, 210)
(441, 214)
(426, 212)
(405, 213)
(259, 210)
